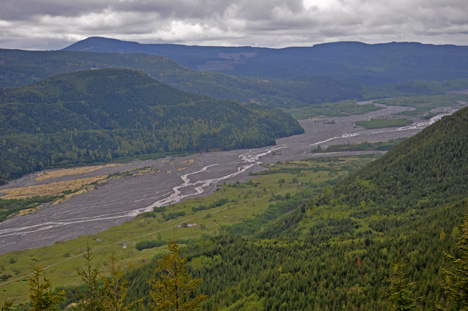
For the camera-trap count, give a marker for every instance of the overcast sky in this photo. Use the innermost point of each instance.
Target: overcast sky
(55, 24)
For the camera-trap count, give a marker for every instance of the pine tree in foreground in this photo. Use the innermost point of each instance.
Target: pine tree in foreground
(40, 291)
(400, 294)
(171, 287)
(116, 288)
(456, 284)
(90, 299)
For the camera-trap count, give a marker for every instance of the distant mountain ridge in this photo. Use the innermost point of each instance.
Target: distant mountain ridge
(18, 68)
(356, 61)
(98, 115)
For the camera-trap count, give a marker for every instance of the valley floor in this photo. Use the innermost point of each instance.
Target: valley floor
(146, 184)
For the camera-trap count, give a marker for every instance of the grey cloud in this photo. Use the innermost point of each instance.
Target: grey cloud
(25, 9)
(174, 8)
(274, 23)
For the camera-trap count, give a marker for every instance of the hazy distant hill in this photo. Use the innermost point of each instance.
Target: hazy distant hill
(99, 115)
(17, 68)
(359, 62)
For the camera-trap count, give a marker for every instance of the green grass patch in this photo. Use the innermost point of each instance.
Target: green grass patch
(424, 104)
(337, 109)
(257, 202)
(13, 207)
(383, 123)
(366, 146)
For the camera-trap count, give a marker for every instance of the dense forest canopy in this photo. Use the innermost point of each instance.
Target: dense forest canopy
(337, 251)
(100, 115)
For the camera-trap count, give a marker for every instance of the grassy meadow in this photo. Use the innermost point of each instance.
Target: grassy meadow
(199, 217)
(336, 109)
(383, 123)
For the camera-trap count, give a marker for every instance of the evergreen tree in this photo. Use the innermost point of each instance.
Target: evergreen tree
(400, 295)
(116, 288)
(456, 284)
(40, 292)
(171, 287)
(92, 297)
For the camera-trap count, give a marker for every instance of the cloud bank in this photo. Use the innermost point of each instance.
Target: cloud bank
(54, 24)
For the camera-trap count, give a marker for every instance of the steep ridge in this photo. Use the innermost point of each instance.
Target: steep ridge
(99, 115)
(337, 251)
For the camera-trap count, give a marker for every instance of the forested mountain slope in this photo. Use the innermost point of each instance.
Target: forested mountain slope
(337, 251)
(355, 61)
(432, 164)
(18, 68)
(99, 115)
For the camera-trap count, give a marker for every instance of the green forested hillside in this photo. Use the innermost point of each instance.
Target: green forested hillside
(18, 68)
(338, 250)
(99, 115)
(306, 91)
(427, 170)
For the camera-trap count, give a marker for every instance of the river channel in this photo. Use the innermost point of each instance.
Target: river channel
(178, 178)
